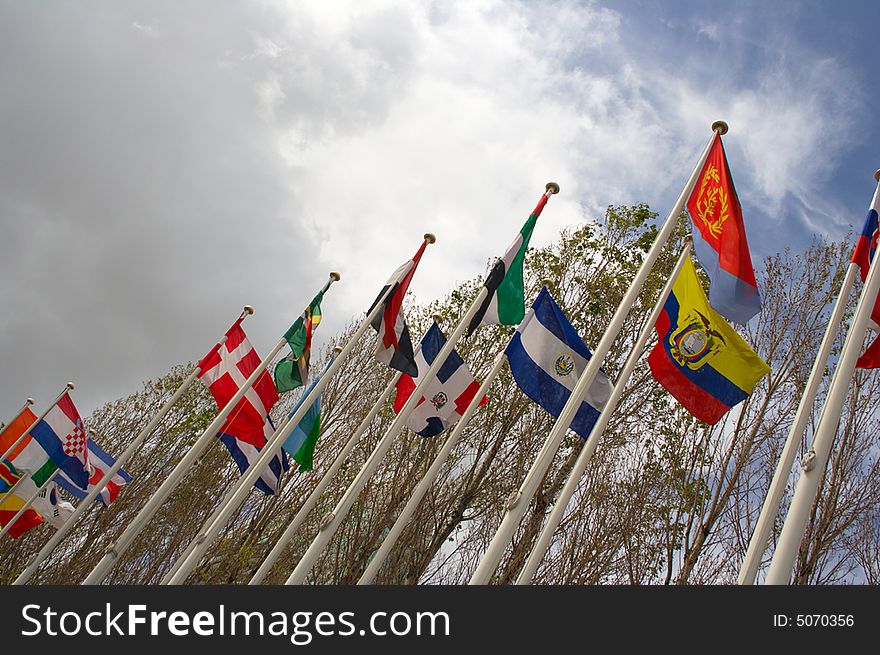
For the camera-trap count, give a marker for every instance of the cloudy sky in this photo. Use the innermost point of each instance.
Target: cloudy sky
(164, 163)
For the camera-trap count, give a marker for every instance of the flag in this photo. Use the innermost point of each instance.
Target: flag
(863, 256)
(301, 442)
(292, 371)
(49, 505)
(546, 358)
(394, 347)
(720, 240)
(101, 463)
(699, 358)
(224, 371)
(504, 303)
(29, 454)
(446, 398)
(62, 435)
(10, 504)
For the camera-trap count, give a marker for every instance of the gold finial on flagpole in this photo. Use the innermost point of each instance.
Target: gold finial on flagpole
(721, 127)
(335, 276)
(337, 350)
(877, 175)
(437, 318)
(429, 237)
(248, 310)
(70, 385)
(29, 401)
(552, 188)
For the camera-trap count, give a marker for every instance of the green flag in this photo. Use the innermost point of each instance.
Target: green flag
(292, 371)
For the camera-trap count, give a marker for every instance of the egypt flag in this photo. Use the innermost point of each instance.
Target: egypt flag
(866, 246)
(699, 358)
(446, 398)
(720, 239)
(292, 371)
(394, 346)
(62, 435)
(224, 371)
(101, 463)
(504, 303)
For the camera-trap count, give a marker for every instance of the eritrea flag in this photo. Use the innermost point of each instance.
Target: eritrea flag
(720, 239)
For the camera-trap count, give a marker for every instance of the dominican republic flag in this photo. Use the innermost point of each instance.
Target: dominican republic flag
(446, 398)
(546, 357)
(224, 371)
(505, 302)
(62, 435)
(866, 246)
(720, 239)
(394, 346)
(101, 463)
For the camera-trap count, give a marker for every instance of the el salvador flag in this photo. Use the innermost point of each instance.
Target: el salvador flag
(547, 356)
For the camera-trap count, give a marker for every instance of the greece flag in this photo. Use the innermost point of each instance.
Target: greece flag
(546, 357)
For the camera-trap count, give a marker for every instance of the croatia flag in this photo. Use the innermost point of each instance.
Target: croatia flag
(62, 435)
(101, 463)
(224, 371)
(720, 240)
(866, 246)
(394, 347)
(446, 398)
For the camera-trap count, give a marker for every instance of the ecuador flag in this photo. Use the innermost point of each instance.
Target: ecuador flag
(699, 358)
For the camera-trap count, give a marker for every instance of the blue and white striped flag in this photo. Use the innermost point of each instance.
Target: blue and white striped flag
(547, 356)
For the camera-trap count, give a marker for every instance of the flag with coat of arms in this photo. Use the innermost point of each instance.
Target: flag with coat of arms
(546, 358)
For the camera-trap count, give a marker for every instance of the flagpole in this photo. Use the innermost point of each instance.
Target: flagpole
(68, 387)
(770, 509)
(331, 521)
(166, 579)
(27, 504)
(242, 488)
(27, 403)
(99, 573)
(430, 476)
(519, 501)
(117, 465)
(813, 466)
(325, 481)
(592, 442)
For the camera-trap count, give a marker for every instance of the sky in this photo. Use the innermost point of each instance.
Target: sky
(164, 163)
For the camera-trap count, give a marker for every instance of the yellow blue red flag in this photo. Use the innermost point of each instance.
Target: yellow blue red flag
(699, 358)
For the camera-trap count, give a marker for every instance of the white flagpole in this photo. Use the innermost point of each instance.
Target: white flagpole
(27, 403)
(813, 466)
(158, 498)
(113, 470)
(28, 502)
(519, 501)
(325, 481)
(430, 476)
(242, 488)
(592, 442)
(331, 521)
(770, 509)
(68, 387)
(166, 579)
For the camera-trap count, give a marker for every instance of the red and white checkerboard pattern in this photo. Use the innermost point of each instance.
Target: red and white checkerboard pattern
(74, 444)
